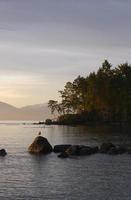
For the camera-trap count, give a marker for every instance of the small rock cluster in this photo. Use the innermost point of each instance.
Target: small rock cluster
(81, 150)
(41, 146)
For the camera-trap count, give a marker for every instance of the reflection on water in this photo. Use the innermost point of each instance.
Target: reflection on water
(101, 177)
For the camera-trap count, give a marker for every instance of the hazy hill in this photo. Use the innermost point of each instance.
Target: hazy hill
(32, 112)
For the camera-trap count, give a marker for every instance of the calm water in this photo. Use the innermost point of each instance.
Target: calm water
(96, 177)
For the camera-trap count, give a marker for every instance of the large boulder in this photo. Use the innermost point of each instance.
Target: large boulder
(40, 146)
(3, 152)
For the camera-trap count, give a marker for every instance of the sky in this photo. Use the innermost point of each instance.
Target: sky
(45, 43)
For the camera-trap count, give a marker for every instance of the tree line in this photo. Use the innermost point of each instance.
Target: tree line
(104, 95)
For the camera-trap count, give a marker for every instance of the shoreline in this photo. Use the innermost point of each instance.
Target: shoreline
(85, 124)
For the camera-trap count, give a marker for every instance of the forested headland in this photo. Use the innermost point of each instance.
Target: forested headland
(102, 96)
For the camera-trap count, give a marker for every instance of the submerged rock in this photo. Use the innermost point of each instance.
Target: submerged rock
(40, 146)
(3, 152)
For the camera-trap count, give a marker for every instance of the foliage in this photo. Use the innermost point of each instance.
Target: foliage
(48, 121)
(104, 95)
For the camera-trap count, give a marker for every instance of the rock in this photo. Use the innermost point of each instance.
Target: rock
(63, 155)
(129, 151)
(121, 149)
(85, 150)
(67, 151)
(113, 151)
(40, 146)
(105, 147)
(88, 150)
(72, 150)
(3, 152)
(94, 149)
(78, 150)
(61, 148)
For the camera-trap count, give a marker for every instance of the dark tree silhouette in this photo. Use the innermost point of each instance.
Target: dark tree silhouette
(104, 95)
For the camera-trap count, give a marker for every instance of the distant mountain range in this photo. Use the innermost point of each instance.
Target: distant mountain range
(38, 112)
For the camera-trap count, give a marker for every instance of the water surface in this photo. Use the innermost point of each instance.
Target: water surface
(96, 177)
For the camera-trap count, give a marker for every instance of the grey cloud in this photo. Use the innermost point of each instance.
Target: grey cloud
(56, 40)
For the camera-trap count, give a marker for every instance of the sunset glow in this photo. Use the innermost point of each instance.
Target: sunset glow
(43, 44)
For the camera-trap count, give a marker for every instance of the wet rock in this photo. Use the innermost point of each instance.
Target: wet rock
(72, 150)
(129, 151)
(61, 148)
(63, 155)
(78, 150)
(81, 150)
(94, 149)
(113, 151)
(121, 149)
(105, 147)
(86, 150)
(40, 146)
(3, 152)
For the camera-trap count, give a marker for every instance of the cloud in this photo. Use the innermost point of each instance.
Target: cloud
(45, 43)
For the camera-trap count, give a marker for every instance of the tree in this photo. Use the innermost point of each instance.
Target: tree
(53, 105)
(105, 94)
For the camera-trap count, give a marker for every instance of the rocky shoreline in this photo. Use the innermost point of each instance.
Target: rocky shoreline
(82, 150)
(41, 146)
